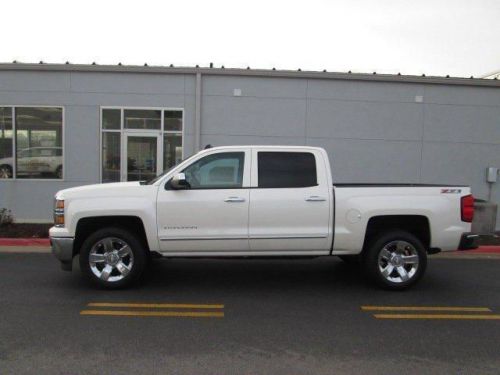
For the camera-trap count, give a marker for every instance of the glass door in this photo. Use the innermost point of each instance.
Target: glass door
(142, 159)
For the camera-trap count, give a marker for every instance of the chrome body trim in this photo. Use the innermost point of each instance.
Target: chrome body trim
(62, 248)
(240, 238)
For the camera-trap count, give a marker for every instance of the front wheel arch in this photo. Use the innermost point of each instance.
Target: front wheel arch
(88, 225)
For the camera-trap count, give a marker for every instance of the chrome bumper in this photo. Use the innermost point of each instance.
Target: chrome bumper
(62, 248)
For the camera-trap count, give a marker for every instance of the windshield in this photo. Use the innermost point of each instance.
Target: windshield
(153, 180)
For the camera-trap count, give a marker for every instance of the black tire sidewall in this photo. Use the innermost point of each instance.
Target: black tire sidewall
(136, 246)
(370, 260)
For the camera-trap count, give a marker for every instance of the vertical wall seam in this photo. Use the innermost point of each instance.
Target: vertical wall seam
(422, 136)
(306, 111)
(197, 125)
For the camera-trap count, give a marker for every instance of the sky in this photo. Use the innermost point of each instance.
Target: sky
(432, 37)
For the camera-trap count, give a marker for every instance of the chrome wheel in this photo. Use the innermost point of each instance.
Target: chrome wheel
(398, 261)
(5, 171)
(111, 259)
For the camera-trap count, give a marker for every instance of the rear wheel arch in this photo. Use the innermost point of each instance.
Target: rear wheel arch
(417, 225)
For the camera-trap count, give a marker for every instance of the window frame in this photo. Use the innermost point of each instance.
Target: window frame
(14, 141)
(122, 131)
(284, 152)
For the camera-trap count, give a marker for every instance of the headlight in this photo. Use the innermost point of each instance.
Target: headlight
(59, 213)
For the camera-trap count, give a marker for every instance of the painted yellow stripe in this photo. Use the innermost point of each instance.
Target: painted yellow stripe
(155, 305)
(439, 316)
(182, 314)
(425, 308)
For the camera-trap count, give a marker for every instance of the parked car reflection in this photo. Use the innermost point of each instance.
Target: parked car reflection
(43, 162)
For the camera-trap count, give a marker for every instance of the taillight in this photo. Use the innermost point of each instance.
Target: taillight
(467, 208)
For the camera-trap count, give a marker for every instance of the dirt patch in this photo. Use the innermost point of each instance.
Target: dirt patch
(25, 230)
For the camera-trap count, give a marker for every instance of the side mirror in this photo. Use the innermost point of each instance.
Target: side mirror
(179, 182)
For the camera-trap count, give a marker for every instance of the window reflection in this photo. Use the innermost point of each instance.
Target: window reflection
(38, 133)
(172, 150)
(110, 157)
(6, 144)
(142, 119)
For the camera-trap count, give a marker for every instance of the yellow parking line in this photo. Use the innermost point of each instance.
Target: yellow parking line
(156, 305)
(425, 308)
(438, 316)
(183, 314)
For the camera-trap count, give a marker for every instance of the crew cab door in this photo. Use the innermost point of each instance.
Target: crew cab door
(212, 214)
(290, 202)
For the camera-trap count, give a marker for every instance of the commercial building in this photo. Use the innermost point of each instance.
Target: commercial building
(68, 125)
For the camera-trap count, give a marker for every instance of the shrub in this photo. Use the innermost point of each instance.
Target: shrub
(6, 217)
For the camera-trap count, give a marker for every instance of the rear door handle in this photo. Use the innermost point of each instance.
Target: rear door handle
(234, 199)
(315, 198)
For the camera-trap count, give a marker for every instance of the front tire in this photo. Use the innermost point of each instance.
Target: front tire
(395, 260)
(112, 258)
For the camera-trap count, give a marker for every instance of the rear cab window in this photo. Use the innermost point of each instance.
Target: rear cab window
(286, 169)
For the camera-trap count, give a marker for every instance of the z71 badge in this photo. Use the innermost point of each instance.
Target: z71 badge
(451, 191)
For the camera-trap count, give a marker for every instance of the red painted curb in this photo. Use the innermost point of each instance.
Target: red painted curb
(24, 242)
(482, 250)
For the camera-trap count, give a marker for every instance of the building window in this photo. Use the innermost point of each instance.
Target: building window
(6, 143)
(139, 143)
(36, 135)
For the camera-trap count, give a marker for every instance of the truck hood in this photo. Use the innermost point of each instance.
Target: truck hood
(99, 190)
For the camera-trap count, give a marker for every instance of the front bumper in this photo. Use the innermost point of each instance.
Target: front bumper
(469, 241)
(62, 248)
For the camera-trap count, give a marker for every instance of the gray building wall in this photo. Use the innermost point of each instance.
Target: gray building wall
(374, 131)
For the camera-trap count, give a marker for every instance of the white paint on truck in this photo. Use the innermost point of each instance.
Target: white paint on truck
(248, 219)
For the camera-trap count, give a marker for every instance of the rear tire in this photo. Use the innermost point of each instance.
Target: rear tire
(112, 258)
(395, 260)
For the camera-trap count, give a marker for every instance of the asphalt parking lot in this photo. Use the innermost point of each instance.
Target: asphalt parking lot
(249, 317)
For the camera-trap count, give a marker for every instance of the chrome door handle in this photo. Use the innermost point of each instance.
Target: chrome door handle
(234, 199)
(315, 198)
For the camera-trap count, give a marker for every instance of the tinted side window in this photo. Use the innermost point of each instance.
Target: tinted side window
(286, 169)
(217, 171)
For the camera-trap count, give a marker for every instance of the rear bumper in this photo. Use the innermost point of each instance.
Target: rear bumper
(62, 248)
(469, 241)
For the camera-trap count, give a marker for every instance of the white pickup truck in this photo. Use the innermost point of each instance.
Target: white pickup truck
(256, 201)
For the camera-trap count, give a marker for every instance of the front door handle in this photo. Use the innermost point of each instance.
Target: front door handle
(315, 198)
(234, 199)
